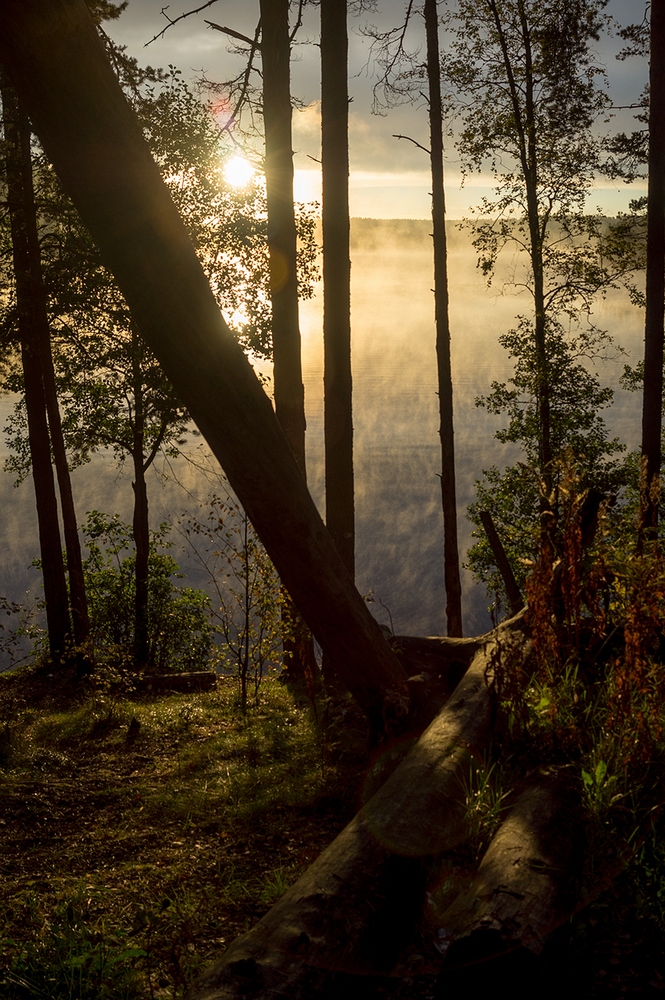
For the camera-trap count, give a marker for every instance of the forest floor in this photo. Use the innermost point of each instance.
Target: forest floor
(141, 835)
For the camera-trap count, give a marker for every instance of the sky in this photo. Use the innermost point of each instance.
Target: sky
(389, 177)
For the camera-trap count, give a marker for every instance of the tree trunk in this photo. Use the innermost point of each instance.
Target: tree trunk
(442, 319)
(338, 418)
(55, 59)
(31, 305)
(287, 372)
(526, 884)
(288, 386)
(77, 594)
(140, 521)
(525, 124)
(355, 908)
(655, 280)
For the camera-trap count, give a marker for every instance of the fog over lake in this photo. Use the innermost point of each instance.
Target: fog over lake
(397, 456)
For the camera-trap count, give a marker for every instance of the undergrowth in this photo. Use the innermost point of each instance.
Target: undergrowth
(142, 835)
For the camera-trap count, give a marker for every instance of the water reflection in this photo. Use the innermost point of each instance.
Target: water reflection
(399, 533)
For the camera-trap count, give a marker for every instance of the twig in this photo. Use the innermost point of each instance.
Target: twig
(174, 20)
(409, 139)
(253, 43)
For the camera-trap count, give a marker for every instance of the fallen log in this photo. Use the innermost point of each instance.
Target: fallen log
(524, 889)
(354, 909)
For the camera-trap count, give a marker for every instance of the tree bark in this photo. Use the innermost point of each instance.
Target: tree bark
(525, 886)
(525, 124)
(442, 319)
(287, 372)
(288, 387)
(77, 594)
(655, 281)
(338, 416)
(515, 598)
(354, 908)
(53, 55)
(31, 305)
(140, 520)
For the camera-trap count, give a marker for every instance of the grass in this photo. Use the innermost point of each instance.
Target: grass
(141, 836)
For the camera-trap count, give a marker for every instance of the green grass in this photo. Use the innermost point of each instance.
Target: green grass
(142, 835)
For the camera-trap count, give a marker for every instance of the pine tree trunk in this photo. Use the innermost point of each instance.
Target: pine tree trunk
(288, 386)
(54, 56)
(287, 371)
(30, 296)
(655, 279)
(441, 313)
(77, 594)
(338, 418)
(140, 521)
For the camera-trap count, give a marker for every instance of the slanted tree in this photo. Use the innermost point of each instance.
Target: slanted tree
(115, 395)
(54, 57)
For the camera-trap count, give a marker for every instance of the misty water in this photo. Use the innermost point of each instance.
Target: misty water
(397, 456)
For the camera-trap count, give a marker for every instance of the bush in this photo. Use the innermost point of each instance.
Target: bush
(179, 623)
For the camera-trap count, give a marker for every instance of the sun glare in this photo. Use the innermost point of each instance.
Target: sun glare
(238, 171)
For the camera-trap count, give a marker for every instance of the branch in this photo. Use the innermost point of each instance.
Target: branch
(174, 20)
(409, 139)
(298, 23)
(253, 43)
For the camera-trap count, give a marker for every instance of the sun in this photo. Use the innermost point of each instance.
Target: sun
(238, 171)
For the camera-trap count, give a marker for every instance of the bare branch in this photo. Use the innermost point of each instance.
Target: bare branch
(174, 20)
(409, 139)
(253, 43)
(298, 23)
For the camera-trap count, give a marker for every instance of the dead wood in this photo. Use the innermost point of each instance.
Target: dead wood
(526, 883)
(356, 906)
(515, 598)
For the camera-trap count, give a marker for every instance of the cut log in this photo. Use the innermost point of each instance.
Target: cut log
(526, 882)
(356, 906)
(53, 55)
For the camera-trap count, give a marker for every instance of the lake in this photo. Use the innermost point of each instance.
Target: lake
(397, 456)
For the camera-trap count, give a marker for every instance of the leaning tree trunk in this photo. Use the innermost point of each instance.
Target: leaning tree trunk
(337, 414)
(655, 280)
(31, 314)
(442, 318)
(54, 57)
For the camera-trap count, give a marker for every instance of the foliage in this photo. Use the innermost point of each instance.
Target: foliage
(179, 627)
(528, 91)
(515, 495)
(595, 692)
(248, 614)
(21, 636)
